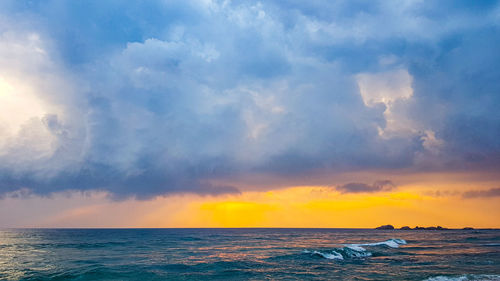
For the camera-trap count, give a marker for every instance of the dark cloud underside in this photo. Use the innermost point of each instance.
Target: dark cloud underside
(378, 186)
(488, 193)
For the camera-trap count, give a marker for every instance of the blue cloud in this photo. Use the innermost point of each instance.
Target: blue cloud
(142, 99)
(377, 186)
(488, 193)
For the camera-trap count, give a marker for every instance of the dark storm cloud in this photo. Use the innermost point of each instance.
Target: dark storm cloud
(167, 96)
(488, 193)
(378, 186)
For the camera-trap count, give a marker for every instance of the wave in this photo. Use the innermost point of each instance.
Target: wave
(392, 243)
(355, 250)
(492, 244)
(468, 277)
(333, 255)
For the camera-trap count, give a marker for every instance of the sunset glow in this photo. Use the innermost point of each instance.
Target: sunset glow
(301, 206)
(249, 114)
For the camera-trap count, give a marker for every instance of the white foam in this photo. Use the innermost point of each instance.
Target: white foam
(355, 247)
(355, 250)
(331, 256)
(357, 254)
(469, 277)
(393, 243)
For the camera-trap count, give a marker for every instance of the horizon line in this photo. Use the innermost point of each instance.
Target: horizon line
(350, 228)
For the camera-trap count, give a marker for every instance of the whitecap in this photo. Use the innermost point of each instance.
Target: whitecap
(351, 253)
(492, 244)
(340, 253)
(355, 247)
(331, 256)
(355, 250)
(393, 243)
(468, 277)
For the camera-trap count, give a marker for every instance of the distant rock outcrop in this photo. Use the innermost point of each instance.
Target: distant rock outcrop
(390, 227)
(430, 228)
(385, 227)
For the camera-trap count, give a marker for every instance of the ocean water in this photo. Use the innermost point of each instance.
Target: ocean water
(248, 254)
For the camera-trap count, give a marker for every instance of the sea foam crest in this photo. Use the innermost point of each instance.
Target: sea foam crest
(331, 256)
(393, 243)
(355, 250)
(468, 277)
(339, 254)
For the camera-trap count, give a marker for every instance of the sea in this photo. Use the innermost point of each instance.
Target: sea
(249, 254)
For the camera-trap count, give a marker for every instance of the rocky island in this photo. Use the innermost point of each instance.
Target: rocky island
(385, 227)
(391, 227)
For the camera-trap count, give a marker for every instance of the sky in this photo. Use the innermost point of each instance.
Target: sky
(207, 113)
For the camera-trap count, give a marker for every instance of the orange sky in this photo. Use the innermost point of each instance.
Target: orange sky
(414, 203)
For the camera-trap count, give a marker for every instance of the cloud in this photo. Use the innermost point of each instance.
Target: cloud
(488, 193)
(442, 193)
(143, 99)
(378, 186)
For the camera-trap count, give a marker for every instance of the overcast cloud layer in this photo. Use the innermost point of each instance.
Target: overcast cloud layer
(145, 98)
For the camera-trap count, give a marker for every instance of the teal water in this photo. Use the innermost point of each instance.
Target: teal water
(248, 254)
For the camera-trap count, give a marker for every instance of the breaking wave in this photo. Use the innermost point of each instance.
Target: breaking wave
(333, 255)
(393, 243)
(468, 277)
(355, 250)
